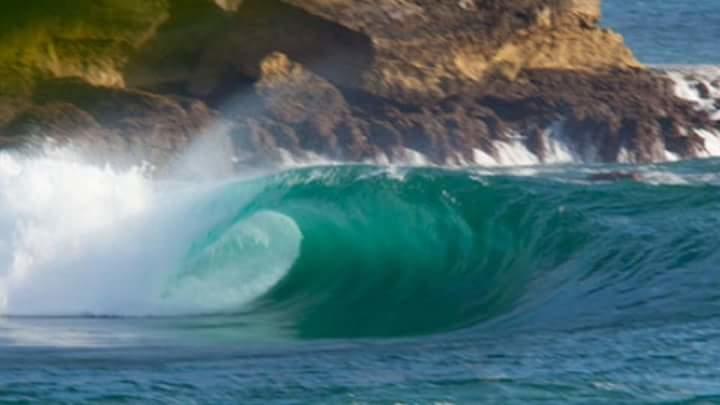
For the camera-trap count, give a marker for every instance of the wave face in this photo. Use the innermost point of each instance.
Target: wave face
(432, 251)
(355, 251)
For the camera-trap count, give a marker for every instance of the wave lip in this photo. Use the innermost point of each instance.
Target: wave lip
(428, 251)
(235, 266)
(363, 251)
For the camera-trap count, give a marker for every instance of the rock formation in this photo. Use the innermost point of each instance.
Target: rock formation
(354, 80)
(91, 39)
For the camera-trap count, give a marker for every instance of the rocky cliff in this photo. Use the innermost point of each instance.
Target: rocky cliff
(457, 81)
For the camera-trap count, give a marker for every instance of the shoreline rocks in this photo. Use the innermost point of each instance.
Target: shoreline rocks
(356, 80)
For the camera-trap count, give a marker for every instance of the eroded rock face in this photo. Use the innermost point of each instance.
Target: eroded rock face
(118, 125)
(590, 10)
(614, 116)
(428, 49)
(400, 49)
(346, 79)
(295, 102)
(91, 39)
(209, 52)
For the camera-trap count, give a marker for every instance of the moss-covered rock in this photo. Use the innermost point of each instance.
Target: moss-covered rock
(350, 79)
(92, 39)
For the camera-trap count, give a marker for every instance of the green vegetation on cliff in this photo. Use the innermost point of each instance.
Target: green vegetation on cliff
(62, 38)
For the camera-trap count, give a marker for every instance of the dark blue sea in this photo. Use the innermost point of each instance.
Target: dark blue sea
(365, 284)
(668, 31)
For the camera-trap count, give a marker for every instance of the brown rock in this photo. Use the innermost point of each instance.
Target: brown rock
(357, 79)
(130, 125)
(59, 120)
(429, 49)
(92, 39)
(211, 51)
(312, 106)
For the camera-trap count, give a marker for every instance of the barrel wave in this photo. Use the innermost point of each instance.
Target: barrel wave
(366, 251)
(430, 251)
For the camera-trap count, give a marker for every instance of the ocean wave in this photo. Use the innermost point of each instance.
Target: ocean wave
(356, 251)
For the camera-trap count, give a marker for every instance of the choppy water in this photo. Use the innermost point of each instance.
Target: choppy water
(369, 284)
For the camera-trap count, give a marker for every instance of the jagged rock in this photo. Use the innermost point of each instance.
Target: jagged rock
(126, 125)
(304, 112)
(633, 112)
(348, 79)
(10, 107)
(429, 49)
(294, 95)
(210, 52)
(60, 120)
(169, 61)
(400, 49)
(91, 39)
(307, 104)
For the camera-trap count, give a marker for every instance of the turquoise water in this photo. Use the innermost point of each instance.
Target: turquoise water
(365, 284)
(412, 286)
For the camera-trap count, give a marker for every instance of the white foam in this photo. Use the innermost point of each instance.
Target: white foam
(687, 81)
(656, 177)
(624, 156)
(515, 153)
(80, 239)
(483, 159)
(413, 158)
(712, 141)
(560, 152)
(671, 157)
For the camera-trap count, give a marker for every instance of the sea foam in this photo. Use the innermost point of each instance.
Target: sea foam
(78, 239)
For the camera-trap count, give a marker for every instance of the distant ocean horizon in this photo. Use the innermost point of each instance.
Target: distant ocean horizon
(664, 32)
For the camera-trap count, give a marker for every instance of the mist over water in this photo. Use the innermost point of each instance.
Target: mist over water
(79, 239)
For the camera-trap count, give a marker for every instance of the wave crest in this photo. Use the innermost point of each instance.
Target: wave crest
(361, 251)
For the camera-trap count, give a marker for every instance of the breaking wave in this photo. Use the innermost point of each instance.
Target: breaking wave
(352, 251)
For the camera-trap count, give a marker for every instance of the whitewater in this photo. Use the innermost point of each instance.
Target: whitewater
(85, 240)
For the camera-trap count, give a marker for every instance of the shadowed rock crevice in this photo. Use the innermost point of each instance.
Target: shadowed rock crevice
(213, 51)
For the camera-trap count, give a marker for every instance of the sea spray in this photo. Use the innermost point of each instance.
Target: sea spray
(78, 239)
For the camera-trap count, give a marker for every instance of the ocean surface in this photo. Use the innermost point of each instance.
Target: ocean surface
(365, 284)
(668, 31)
